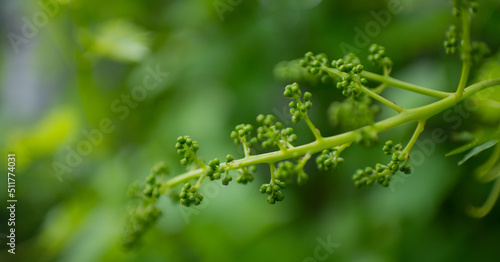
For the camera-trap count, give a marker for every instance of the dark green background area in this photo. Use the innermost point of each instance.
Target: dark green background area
(65, 78)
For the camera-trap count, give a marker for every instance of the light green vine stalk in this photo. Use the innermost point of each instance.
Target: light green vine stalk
(287, 162)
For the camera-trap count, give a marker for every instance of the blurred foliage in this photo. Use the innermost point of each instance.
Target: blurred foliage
(87, 57)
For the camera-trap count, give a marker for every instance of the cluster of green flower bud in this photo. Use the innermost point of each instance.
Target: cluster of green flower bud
(479, 50)
(298, 108)
(242, 135)
(213, 170)
(351, 114)
(328, 159)
(245, 175)
(292, 71)
(190, 195)
(273, 189)
(383, 174)
(313, 65)
(272, 133)
(400, 159)
(152, 182)
(378, 56)
(186, 148)
(139, 220)
(452, 43)
(286, 170)
(142, 216)
(471, 6)
(228, 178)
(350, 82)
(313, 62)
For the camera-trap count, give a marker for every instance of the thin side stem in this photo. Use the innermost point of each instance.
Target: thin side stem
(466, 49)
(379, 89)
(246, 149)
(314, 130)
(273, 170)
(199, 162)
(404, 85)
(303, 160)
(483, 172)
(386, 79)
(382, 99)
(479, 212)
(416, 134)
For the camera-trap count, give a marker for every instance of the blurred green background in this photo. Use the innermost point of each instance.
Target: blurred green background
(68, 67)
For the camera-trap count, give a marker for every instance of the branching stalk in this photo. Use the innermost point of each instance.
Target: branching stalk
(408, 115)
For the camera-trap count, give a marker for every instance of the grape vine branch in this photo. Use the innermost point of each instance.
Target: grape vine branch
(287, 162)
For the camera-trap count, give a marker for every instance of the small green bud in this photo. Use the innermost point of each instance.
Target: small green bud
(263, 188)
(181, 140)
(279, 196)
(271, 200)
(150, 179)
(307, 96)
(260, 118)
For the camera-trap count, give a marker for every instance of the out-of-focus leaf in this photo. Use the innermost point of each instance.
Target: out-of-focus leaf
(121, 40)
(46, 136)
(478, 149)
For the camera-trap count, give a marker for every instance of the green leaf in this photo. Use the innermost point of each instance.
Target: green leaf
(478, 149)
(464, 148)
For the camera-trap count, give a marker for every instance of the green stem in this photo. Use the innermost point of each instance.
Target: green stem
(273, 170)
(466, 49)
(416, 134)
(341, 148)
(386, 79)
(382, 99)
(482, 211)
(200, 180)
(314, 130)
(199, 162)
(379, 89)
(303, 161)
(246, 149)
(281, 146)
(404, 85)
(483, 172)
(408, 115)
